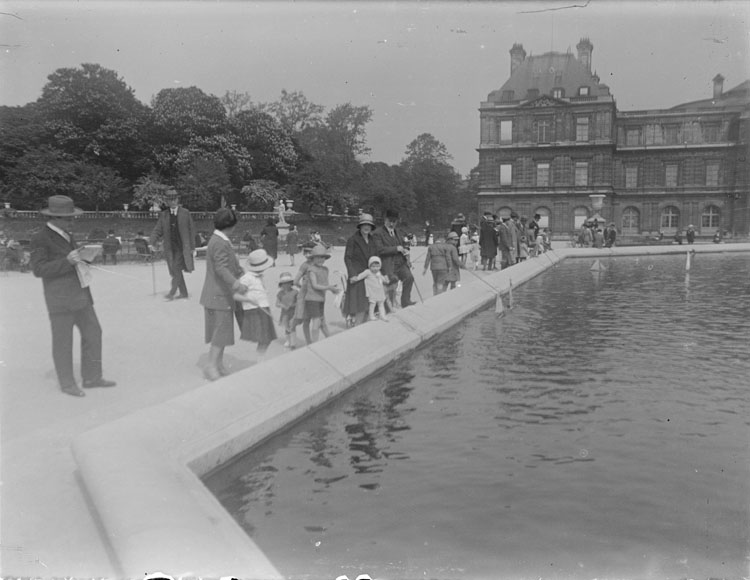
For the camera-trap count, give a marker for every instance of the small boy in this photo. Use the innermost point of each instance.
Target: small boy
(375, 284)
(318, 285)
(286, 301)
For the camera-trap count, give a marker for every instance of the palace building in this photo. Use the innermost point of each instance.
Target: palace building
(553, 142)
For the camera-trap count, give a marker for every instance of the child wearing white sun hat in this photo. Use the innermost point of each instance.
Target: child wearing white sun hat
(255, 319)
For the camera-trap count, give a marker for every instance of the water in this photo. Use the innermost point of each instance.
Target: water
(598, 430)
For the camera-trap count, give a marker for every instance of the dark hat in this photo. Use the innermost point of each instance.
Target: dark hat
(60, 206)
(513, 214)
(536, 216)
(391, 214)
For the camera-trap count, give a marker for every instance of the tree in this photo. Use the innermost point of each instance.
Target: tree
(426, 148)
(347, 123)
(204, 185)
(235, 103)
(269, 145)
(98, 187)
(295, 112)
(262, 194)
(183, 113)
(386, 187)
(87, 97)
(149, 190)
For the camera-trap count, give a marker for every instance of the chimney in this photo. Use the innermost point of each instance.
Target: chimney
(585, 48)
(517, 56)
(718, 86)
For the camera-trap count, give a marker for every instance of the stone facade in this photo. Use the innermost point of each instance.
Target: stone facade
(552, 136)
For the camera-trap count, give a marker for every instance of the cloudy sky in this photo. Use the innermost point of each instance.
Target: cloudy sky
(422, 67)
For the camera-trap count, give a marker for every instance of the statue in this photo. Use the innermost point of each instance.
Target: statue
(280, 208)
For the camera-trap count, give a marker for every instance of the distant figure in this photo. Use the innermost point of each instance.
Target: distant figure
(610, 235)
(110, 246)
(441, 258)
(464, 245)
(427, 233)
(292, 243)
(717, 237)
(598, 238)
(690, 234)
(458, 223)
(269, 237)
(176, 230)
(488, 241)
(678, 237)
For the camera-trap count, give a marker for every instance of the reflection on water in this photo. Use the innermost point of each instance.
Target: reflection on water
(598, 429)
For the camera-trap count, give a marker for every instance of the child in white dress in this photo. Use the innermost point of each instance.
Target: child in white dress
(375, 284)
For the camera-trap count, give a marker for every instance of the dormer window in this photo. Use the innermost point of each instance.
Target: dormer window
(558, 93)
(583, 91)
(507, 96)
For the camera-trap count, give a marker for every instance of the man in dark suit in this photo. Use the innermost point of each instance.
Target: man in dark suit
(56, 260)
(390, 246)
(175, 228)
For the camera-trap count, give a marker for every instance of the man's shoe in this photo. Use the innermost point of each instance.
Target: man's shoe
(182, 297)
(73, 390)
(98, 383)
(409, 303)
(169, 296)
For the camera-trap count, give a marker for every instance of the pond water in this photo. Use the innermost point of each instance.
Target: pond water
(599, 429)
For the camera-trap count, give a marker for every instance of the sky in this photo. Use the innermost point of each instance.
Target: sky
(422, 67)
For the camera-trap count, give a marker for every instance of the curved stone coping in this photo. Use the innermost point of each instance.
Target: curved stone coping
(142, 471)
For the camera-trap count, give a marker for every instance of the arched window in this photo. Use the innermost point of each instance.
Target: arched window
(580, 214)
(503, 212)
(710, 217)
(631, 221)
(544, 214)
(670, 220)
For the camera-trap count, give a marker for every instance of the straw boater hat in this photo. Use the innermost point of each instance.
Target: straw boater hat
(373, 260)
(286, 278)
(366, 219)
(60, 206)
(258, 261)
(319, 250)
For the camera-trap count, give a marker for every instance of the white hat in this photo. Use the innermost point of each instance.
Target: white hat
(373, 260)
(258, 261)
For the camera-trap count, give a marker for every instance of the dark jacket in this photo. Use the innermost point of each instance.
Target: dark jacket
(385, 247)
(488, 239)
(62, 289)
(356, 257)
(187, 236)
(223, 272)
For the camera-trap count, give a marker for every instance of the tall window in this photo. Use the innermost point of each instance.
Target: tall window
(670, 175)
(710, 217)
(582, 128)
(543, 130)
(544, 215)
(631, 219)
(580, 215)
(506, 174)
(632, 137)
(582, 174)
(670, 218)
(542, 174)
(653, 135)
(712, 174)
(631, 177)
(711, 132)
(506, 131)
(672, 134)
(557, 93)
(507, 96)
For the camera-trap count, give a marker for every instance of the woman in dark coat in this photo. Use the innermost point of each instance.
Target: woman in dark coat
(269, 237)
(488, 242)
(359, 248)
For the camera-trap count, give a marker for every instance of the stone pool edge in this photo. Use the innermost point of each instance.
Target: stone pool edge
(143, 471)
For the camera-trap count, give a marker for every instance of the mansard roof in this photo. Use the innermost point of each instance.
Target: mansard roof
(549, 71)
(737, 97)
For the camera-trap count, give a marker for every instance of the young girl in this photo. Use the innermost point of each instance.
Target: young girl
(464, 245)
(317, 286)
(256, 320)
(286, 301)
(374, 287)
(474, 253)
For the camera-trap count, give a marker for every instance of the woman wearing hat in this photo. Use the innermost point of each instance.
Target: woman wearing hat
(55, 259)
(269, 237)
(359, 249)
(254, 315)
(222, 281)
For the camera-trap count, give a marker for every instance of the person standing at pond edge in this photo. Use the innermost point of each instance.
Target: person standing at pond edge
(389, 245)
(176, 230)
(55, 259)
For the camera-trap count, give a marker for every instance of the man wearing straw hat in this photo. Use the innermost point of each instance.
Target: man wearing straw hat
(175, 227)
(55, 259)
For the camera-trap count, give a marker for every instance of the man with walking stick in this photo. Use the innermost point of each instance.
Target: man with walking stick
(175, 228)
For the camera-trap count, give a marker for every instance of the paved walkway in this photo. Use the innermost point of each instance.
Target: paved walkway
(152, 348)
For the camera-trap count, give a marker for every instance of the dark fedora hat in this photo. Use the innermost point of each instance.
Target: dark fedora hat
(391, 214)
(60, 206)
